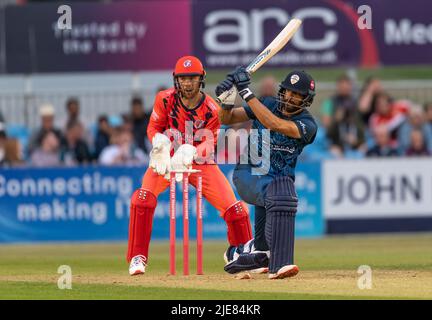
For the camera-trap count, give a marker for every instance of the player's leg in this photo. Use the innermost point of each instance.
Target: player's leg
(252, 189)
(217, 190)
(142, 207)
(259, 234)
(281, 206)
(254, 255)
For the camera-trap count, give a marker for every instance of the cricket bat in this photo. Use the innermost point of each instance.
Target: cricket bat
(274, 47)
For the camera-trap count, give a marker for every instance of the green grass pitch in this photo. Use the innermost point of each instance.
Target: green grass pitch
(401, 269)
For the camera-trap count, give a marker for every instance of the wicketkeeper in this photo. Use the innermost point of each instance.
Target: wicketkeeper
(272, 192)
(175, 110)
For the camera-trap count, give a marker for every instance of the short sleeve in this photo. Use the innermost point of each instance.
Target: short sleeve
(158, 118)
(307, 128)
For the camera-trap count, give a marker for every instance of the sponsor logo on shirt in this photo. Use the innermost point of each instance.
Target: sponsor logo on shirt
(303, 126)
(283, 148)
(198, 124)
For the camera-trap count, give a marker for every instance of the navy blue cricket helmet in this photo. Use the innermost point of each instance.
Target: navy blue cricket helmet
(302, 83)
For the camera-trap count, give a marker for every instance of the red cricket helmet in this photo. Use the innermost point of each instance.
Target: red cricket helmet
(189, 66)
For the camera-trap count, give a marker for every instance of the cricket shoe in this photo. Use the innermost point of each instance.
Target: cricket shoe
(258, 264)
(137, 265)
(287, 271)
(230, 254)
(254, 262)
(233, 252)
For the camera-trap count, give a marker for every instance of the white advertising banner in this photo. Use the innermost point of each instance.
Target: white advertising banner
(377, 188)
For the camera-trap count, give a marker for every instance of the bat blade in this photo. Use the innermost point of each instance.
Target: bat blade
(275, 46)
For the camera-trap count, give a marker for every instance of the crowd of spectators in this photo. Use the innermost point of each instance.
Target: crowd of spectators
(109, 143)
(373, 124)
(352, 124)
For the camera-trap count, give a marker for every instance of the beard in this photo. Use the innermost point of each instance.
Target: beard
(287, 108)
(189, 93)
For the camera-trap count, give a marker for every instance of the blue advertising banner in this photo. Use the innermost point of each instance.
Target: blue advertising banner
(309, 220)
(92, 203)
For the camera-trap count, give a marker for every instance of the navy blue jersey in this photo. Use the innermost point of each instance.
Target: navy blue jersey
(284, 150)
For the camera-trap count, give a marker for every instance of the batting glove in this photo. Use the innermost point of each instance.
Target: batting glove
(242, 80)
(226, 93)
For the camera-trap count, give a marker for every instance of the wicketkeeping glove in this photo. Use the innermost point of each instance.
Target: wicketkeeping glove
(160, 160)
(183, 159)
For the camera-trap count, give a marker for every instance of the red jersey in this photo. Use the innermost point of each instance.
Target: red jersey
(392, 121)
(169, 112)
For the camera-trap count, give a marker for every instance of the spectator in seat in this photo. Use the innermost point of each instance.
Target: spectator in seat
(346, 133)
(74, 149)
(126, 123)
(10, 151)
(415, 121)
(4, 162)
(383, 146)
(72, 110)
(267, 87)
(103, 135)
(417, 145)
(428, 112)
(139, 121)
(389, 113)
(342, 99)
(48, 154)
(122, 151)
(47, 114)
(371, 88)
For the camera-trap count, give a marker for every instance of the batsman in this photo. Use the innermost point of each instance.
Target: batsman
(183, 130)
(272, 192)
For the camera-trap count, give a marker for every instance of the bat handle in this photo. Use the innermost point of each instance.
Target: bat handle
(221, 98)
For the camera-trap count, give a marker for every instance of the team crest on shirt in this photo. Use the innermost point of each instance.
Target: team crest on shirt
(187, 63)
(294, 79)
(198, 124)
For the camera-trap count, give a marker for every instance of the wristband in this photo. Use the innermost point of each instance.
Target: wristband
(246, 94)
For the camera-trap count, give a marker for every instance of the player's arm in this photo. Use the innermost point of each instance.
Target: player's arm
(230, 115)
(160, 153)
(272, 122)
(241, 79)
(158, 118)
(234, 115)
(227, 113)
